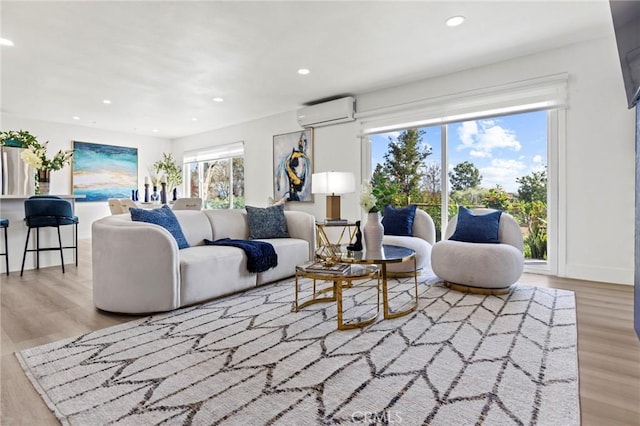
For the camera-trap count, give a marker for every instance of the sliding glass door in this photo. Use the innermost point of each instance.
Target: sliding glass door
(499, 162)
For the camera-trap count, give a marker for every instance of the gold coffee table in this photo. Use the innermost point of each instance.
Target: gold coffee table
(340, 281)
(388, 254)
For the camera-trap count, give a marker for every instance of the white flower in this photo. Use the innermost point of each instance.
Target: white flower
(367, 199)
(31, 158)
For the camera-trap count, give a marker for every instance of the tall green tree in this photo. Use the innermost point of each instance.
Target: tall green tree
(465, 176)
(404, 163)
(533, 187)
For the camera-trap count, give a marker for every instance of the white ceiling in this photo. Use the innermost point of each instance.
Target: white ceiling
(161, 63)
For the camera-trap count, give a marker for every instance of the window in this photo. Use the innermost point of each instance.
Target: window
(498, 162)
(495, 147)
(216, 175)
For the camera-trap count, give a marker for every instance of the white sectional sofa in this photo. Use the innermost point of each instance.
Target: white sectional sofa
(138, 268)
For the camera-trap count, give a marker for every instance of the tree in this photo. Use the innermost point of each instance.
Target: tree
(238, 182)
(533, 187)
(432, 178)
(497, 198)
(385, 191)
(464, 176)
(404, 162)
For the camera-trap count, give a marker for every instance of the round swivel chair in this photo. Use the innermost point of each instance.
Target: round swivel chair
(481, 267)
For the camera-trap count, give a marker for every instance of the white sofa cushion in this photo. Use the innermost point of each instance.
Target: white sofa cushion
(228, 224)
(291, 252)
(195, 226)
(225, 268)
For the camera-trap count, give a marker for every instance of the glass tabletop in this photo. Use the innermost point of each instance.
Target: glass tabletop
(388, 254)
(353, 271)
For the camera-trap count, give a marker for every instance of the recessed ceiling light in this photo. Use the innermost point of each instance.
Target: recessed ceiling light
(454, 21)
(76, 118)
(6, 42)
(218, 100)
(303, 71)
(194, 119)
(106, 101)
(155, 130)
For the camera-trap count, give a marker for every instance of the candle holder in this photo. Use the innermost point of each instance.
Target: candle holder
(163, 193)
(155, 197)
(146, 192)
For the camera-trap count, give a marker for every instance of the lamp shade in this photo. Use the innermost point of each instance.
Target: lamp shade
(333, 183)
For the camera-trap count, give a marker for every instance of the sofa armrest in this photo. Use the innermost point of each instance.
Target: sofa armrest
(136, 267)
(303, 226)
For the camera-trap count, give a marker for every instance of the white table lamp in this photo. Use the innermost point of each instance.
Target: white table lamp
(333, 184)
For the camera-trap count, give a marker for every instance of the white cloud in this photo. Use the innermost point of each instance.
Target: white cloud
(392, 135)
(479, 154)
(468, 132)
(538, 159)
(486, 137)
(502, 172)
(510, 164)
(498, 137)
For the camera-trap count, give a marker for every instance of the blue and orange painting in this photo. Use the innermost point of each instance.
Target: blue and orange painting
(102, 171)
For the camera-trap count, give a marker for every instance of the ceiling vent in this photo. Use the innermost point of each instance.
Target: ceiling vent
(327, 113)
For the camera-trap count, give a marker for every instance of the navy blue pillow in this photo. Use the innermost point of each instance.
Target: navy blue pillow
(268, 222)
(399, 221)
(163, 217)
(473, 228)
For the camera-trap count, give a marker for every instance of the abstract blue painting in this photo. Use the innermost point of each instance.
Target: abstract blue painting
(102, 171)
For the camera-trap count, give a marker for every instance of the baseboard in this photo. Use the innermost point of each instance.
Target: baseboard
(600, 274)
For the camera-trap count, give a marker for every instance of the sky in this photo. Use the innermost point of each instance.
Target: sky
(502, 148)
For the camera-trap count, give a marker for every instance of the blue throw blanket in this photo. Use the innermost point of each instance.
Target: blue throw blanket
(260, 255)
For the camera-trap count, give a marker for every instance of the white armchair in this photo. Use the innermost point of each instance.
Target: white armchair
(481, 265)
(424, 236)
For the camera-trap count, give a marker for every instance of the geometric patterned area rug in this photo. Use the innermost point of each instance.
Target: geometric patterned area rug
(247, 359)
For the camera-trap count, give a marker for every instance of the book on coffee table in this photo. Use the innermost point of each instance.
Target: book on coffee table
(323, 268)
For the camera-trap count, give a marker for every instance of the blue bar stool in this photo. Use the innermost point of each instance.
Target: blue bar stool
(4, 223)
(48, 211)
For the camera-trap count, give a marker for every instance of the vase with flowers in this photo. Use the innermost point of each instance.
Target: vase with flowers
(35, 155)
(170, 170)
(373, 230)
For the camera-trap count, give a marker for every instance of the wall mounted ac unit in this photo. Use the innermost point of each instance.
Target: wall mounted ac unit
(332, 112)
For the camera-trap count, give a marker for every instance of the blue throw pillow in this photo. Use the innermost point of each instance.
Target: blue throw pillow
(267, 222)
(473, 228)
(163, 217)
(399, 221)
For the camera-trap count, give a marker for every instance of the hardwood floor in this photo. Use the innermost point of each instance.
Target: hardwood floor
(44, 306)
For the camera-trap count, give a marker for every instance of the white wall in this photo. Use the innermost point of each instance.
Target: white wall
(597, 164)
(60, 136)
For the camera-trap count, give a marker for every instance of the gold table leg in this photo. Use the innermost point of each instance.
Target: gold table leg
(314, 296)
(355, 324)
(336, 296)
(385, 294)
